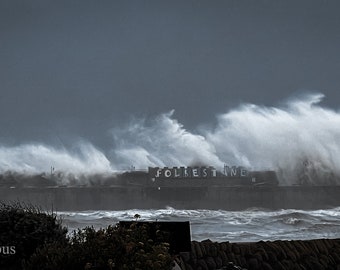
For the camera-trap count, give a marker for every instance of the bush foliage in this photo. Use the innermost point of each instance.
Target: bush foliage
(26, 227)
(112, 248)
(42, 243)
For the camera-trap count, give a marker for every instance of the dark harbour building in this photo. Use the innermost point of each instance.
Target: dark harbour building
(201, 187)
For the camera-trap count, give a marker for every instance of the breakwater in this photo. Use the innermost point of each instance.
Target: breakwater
(318, 254)
(227, 198)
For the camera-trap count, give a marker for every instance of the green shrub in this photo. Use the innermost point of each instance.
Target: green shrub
(41, 242)
(111, 248)
(26, 227)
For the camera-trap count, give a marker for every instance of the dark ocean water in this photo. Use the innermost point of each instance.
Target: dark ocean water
(234, 226)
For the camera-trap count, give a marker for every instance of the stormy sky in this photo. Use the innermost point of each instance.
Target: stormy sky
(77, 69)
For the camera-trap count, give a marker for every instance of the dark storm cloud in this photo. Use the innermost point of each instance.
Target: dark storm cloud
(79, 68)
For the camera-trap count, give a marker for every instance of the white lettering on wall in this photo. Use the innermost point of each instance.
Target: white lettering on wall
(167, 173)
(233, 171)
(197, 172)
(158, 174)
(176, 173)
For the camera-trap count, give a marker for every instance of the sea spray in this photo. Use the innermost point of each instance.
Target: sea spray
(163, 141)
(60, 164)
(300, 140)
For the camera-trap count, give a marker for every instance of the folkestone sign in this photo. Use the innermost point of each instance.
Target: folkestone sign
(196, 172)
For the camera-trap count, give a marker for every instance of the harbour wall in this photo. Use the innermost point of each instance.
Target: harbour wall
(227, 198)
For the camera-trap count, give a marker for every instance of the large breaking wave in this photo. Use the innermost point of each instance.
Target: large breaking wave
(300, 140)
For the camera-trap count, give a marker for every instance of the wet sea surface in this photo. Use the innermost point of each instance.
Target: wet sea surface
(234, 226)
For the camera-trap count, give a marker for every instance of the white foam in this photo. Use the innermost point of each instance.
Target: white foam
(301, 138)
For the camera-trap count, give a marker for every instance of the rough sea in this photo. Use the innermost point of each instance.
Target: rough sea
(234, 226)
(300, 139)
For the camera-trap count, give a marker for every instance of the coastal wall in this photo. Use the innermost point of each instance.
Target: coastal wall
(119, 198)
(301, 197)
(319, 254)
